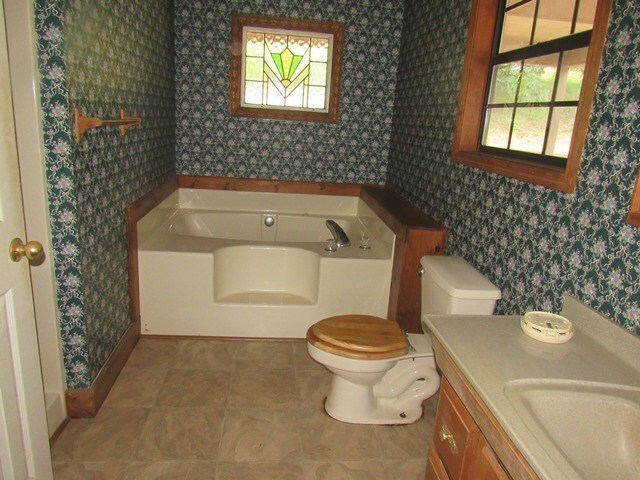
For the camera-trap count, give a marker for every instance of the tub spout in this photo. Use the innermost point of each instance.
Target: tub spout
(339, 235)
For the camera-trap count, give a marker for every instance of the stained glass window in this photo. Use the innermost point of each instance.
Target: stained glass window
(285, 68)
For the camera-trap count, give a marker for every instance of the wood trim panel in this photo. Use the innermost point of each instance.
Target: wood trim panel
(507, 452)
(239, 21)
(134, 212)
(85, 402)
(475, 77)
(633, 217)
(273, 186)
(417, 234)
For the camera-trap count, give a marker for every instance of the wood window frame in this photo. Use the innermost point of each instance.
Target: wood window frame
(633, 218)
(239, 21)
(473, 90)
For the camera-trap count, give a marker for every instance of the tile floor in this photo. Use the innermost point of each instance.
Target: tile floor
(221, 410)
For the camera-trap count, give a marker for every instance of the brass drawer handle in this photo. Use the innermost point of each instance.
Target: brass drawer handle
(446, 435)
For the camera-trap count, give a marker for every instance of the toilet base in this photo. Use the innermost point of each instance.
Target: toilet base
(380, 415)
(385, 398)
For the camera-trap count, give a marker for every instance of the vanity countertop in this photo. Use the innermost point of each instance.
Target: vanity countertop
(493, 352)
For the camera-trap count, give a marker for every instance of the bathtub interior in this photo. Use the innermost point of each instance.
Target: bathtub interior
(208, 265)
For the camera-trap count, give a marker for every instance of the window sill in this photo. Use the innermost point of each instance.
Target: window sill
(562, 180)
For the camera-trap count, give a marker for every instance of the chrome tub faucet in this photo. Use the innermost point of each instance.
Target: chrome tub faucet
(339, 236)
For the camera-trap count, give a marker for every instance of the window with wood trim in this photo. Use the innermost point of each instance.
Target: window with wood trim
(285, 68)
(528, 83)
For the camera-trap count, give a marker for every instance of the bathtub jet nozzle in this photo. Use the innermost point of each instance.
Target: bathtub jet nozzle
(339, 236)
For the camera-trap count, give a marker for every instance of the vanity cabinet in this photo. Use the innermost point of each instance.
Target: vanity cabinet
(468, 442)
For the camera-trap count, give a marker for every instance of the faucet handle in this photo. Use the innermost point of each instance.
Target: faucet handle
(331, 245)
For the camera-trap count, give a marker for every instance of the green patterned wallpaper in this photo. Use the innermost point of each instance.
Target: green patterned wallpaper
(534, 243)
(211, 142)
(102, 55)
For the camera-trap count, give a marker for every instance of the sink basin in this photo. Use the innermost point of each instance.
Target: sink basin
(589, 430)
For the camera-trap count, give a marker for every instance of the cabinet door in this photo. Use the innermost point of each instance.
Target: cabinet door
(487, 466)
(435, 468)
(455, 434)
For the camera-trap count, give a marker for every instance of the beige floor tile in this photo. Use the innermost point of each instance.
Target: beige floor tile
(181, 434)
(90, 470)
(213, 418)
(158, 471)
(154, 353)
(406, 470)
(194, 388)
(259, 471)
(312, 387)
(262, 388)
(361, 470)
(264, 354)
(202, 471)
(252, 435)
(302, 360)
(326, 439)
(136, 387)
(113, 434)
(206, 354)
(406, 441)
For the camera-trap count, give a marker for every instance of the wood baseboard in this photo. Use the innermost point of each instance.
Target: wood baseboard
(85, 402)
(54, 438)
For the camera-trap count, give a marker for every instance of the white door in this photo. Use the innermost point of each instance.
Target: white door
(24, 445)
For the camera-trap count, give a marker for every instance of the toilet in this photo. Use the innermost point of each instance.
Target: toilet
(382, 375)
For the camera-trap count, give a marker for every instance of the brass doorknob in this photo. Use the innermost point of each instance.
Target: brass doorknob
(32, 250)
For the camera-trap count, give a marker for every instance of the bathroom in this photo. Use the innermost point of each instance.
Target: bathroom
(168, 63)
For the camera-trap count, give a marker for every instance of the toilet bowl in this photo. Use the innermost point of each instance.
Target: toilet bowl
(380, 374)
(374, 387)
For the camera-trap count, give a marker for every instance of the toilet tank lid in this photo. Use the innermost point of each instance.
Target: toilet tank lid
(458, 278)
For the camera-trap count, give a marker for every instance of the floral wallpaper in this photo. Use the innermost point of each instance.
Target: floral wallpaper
(210, 142)
(105, 55)
(62, 191)
(534, 243)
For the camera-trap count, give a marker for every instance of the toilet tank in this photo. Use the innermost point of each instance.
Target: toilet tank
(451, 286)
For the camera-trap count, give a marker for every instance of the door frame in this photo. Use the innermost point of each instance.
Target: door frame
(25, 80)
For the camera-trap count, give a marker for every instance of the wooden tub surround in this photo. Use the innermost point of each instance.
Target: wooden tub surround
(417, 234)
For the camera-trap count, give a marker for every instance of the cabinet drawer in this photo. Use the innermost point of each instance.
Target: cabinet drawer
(435, 468)
(455, 434)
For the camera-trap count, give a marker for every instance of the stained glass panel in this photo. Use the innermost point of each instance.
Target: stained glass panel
(292, 68)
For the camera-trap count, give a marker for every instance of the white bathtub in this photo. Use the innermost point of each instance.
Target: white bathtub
(210, 266)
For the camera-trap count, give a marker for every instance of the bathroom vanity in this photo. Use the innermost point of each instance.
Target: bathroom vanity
(513, 407)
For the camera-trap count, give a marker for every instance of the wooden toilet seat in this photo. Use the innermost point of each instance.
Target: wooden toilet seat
(358, 336)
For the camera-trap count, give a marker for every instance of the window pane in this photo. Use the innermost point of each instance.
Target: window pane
(538, 76)
(504, 82)
(561, 126)
(253, 69)
(571, 74)
(253, 93)
(316, 97)
(318, 74)
(255, 46)
(295, 98)
(274, 97)
(497, 126)
(529, 127)
(517, 27)
(586, 15)
(554, 19)
(319, 49)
